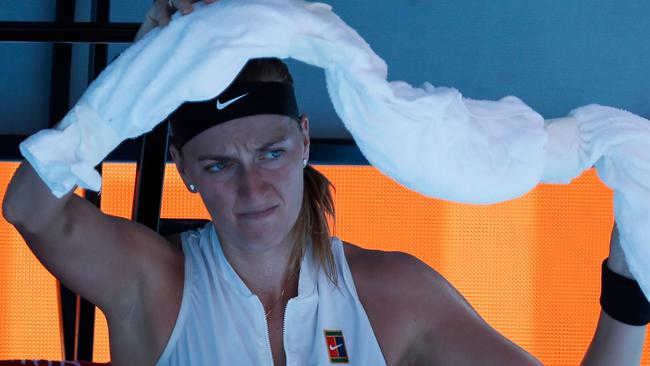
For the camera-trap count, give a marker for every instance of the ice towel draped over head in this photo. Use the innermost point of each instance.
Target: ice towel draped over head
(429, 139)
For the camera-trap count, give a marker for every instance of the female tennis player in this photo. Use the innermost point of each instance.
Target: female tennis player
(264, 282)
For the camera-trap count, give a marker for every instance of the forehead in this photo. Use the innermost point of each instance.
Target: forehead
(249, 132)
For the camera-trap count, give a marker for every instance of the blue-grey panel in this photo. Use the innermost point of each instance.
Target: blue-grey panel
(25, 87)
(27, 10)
(82, 11)
(127, 11)
(555, 55)
(115, 49)
(79, 75)
(313, 100)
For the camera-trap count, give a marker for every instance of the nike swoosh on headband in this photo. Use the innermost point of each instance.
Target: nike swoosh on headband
(221, 106)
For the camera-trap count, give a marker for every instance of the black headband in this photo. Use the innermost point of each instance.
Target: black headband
(238, 100)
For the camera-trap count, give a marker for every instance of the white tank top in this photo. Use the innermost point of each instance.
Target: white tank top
(221, 322)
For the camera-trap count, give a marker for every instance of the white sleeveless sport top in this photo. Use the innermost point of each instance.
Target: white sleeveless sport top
(221, 322)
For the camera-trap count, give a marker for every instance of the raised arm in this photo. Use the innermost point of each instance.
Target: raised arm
(106, 259)
(103, 258)
(463, 334)
(443, 328)
(614, 342)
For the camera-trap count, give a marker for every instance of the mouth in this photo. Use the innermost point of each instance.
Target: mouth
(258, 214)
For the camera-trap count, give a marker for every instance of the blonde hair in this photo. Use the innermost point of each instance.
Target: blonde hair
(316, 214)
(317, 218)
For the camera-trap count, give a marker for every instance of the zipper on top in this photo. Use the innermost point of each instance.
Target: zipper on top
(268, 333)
(284, 333)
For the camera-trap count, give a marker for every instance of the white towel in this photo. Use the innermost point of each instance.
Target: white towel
(429, 139)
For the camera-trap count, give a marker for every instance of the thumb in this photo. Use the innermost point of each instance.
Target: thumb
(158, 15)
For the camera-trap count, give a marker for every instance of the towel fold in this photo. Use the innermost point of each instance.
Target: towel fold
(427, 138)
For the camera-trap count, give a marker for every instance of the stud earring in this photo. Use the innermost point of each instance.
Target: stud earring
(192, 188)
(304, 163)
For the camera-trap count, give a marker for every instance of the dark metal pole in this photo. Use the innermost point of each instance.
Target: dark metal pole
(59, 104)
(82, 32)
(322, 151)
(150, 172)
(97, 60)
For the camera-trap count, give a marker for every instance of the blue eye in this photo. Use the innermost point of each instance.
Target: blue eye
(279, 153)
(220, 166)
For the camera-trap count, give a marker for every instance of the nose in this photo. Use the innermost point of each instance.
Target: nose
(251, 183)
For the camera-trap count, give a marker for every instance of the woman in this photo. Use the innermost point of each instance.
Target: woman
(318, 300)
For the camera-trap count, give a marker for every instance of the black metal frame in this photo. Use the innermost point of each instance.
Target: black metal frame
(69, 302)
(92, 32)
(97, 60)
(150, 151)
(323, 151)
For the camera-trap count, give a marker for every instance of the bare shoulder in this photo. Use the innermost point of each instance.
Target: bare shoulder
(403, 281)
(363, 257)
(419, 318)
(403, 288)
(382, 269)
(400, 294)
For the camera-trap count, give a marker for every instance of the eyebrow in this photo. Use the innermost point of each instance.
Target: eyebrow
(261, 148)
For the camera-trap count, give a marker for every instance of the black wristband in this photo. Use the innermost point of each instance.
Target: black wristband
(622, 298)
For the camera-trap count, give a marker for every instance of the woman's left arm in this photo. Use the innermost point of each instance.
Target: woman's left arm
(614, 342)
(454, 333)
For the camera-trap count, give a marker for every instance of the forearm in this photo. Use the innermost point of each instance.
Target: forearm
(615, 343)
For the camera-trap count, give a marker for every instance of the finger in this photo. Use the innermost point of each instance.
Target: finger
(184, 6)
(140, 34)
(164, 20)
(148, 24)
(163, 15)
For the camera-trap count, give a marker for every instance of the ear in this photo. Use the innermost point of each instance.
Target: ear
(304, 122)
(177, 156)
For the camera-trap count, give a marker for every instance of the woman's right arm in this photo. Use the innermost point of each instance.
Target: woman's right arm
(106, 259)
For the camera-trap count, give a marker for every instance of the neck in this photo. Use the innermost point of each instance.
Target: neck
(265, 272)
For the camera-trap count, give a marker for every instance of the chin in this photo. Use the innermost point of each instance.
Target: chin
(262, 233)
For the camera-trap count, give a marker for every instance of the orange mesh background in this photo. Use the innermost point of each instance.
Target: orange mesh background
(177, 201)
(529, 266)
(29, 314)
(572, 233)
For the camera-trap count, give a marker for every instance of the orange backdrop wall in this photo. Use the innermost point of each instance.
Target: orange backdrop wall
(530, 266)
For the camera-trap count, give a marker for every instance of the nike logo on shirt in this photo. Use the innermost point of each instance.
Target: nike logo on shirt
(337, 346)
(221, 106)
